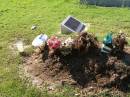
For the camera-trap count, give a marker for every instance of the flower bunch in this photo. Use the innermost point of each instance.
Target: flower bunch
(54, 43)
(66, 46)
(67, 43)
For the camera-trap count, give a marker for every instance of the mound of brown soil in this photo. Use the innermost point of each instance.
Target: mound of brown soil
(86, 70)
(85, 67)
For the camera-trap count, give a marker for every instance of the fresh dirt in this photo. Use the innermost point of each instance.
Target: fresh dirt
(88, 70)
(80, 71)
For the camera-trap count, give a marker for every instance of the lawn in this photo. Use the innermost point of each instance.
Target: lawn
(16, 19)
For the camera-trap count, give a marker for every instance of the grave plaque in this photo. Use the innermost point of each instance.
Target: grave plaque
(70, 24)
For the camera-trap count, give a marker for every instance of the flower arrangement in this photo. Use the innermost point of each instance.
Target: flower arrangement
(54, 43)
(66, 46)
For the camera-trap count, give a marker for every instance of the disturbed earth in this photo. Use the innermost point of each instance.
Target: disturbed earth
(91, 70)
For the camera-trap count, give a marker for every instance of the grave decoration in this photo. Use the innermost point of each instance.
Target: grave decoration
(81, 61)
(71, 24)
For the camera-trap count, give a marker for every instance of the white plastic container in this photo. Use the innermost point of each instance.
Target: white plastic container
(39, 40)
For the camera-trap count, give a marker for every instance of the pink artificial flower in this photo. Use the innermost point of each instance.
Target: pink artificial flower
(54, 42)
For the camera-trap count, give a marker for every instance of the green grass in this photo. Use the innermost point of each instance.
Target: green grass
(16, 18)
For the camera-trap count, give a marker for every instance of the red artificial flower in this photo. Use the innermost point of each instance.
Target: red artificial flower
(54, 42)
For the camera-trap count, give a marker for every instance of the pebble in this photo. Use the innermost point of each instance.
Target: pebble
(33, 27)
